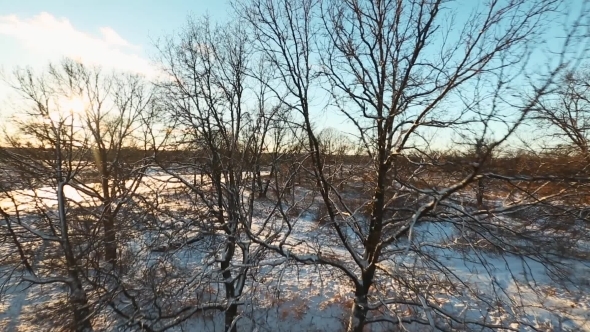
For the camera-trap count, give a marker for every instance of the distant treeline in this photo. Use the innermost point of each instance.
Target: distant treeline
(515, 164)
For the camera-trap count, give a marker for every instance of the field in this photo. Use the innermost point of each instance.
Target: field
(169, 273)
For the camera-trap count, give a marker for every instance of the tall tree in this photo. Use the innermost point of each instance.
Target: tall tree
(206, 95)
(396, 70)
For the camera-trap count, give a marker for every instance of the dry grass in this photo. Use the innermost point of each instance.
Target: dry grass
(342, 301)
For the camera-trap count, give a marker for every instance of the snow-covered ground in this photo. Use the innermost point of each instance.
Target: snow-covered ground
(470, 284)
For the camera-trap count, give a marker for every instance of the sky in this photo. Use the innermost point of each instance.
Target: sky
(119, 34)
(106, 32)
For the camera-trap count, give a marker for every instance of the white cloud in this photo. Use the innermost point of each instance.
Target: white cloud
(50, 38)
(112, 37)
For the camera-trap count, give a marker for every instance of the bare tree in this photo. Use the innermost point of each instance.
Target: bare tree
(162, 205)
(396, 70)
(83, 125)
(45, 234)
(114, 106)
(565, 112)
(226, 140)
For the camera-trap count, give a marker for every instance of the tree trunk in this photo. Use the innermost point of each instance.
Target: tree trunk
(108, 223)
(77, 297)
(359, 312)
(232, 310)
(372, 251)
(259, 183)
(479, 193)
(230, 315)
(79, 302)
(230, 247)
(267, 182)
(110, 238)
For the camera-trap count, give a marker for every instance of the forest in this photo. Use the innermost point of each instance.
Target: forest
(309, 165)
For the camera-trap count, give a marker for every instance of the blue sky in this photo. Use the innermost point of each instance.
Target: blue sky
(110, 33)
(117, 28)
(119, 34)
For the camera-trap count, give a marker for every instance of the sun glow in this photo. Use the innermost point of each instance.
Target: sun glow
(75, 105)
(64, 108)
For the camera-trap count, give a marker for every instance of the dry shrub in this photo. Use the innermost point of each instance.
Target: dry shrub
(205, 294)
(291, 304)
(362, 204)
(284, 314)
(277, 301)
(296, 307)
(342, 301)
(299, 309)
(4, 324)
(549, 291)
(13, 258)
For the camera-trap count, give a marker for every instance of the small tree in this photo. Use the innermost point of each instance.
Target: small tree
(566, 112)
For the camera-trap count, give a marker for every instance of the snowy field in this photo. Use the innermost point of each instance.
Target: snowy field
(470, 284)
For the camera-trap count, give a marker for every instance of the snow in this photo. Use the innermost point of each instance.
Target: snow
(503, 289)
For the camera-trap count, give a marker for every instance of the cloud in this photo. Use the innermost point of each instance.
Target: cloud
(112, 37)
(50, 38)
